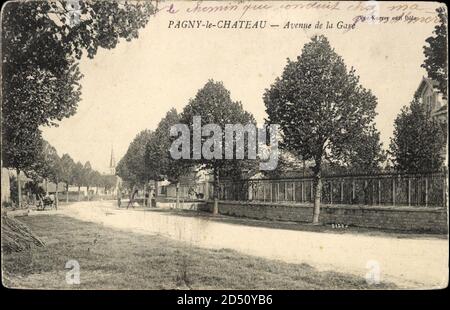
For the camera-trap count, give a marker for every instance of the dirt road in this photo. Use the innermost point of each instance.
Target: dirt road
(412, 262)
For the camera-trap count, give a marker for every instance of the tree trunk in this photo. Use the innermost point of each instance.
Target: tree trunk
(46, 186)
(67, 192)
(145, 195)
(56, 195)
(19, 190)
(156, 193)
(216, 192)
(317, 191)
(177, 195)
(87, 192)
(79, 193)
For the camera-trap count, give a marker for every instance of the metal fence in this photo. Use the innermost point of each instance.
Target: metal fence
(393, 189)
(428, 189)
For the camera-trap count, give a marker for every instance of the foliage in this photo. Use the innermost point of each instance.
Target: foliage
(131, 168)
(214, 105)
(321, 108)
(436, 52)
(158, 161)
(41, 47)
(418, 140)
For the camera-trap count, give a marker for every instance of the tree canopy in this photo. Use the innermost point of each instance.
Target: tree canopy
(320, 107)
(42, 42)
(418, 140)
(435, 52)
(214, 105)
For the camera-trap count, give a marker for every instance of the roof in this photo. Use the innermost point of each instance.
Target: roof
(427, 82)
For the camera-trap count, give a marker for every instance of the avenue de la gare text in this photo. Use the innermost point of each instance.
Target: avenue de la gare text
(252, 24)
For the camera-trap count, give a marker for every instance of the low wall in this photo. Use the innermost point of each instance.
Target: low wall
(193, 205)
(419, 219)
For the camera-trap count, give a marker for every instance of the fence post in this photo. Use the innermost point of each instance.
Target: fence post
(366, 191)
(331, 192)
(264, 191)
(342, 191)
(293, 191)
(271, 192)
(302, 191)
(353, 191)
(409, 191)
(379, 192)
(373, 192)
(444, 187)
(393, 191)
(426, 192)
(285, 191)
(278, 192)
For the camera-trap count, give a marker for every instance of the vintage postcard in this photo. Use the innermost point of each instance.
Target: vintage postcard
(224, 145)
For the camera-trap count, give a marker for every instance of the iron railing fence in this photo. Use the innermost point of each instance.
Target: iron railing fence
(394, 189)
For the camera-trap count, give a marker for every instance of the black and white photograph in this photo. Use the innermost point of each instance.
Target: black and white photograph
(224, 145)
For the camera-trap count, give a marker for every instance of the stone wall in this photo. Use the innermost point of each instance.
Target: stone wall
(418, 219)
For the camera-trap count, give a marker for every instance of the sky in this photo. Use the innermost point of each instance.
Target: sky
(131, 87)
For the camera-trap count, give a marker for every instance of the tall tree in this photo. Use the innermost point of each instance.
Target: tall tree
(131, 167)
(214, 105)
(418, 140)
(436, 61)
(48, 166)
(158, 162)
(42, 43)
(67, 172)
(320, 108)
(78, 177)
(367, 156)
(88, 177)
(20, 150)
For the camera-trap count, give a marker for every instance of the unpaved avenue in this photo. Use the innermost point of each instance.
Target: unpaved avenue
(408, 262)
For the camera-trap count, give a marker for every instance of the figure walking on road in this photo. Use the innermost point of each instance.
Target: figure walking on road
(130, 203)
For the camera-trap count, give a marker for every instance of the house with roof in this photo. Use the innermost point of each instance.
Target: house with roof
(433, 99)
(436, 103)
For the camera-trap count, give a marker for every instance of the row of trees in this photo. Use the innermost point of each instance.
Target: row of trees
(338, 131)
(50, 167)
(42, 44)
(148, 156)
(326, 119)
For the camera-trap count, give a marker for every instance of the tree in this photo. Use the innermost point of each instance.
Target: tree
(88, 177)
(131, 167)
(436, 52)
(48, 166)
(214, 105)
(67, 172)
(418, 140)
(289, 165)
(78, 177)
(367, 155)
(20, 150)
(320, 108)
(41, 49)
(158, 162)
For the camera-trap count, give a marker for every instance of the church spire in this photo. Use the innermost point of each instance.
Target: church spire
(112, 162)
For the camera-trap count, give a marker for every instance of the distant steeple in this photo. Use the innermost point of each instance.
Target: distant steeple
(112, 163)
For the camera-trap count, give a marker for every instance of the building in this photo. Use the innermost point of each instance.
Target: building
(433, 99)
(437, 105)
